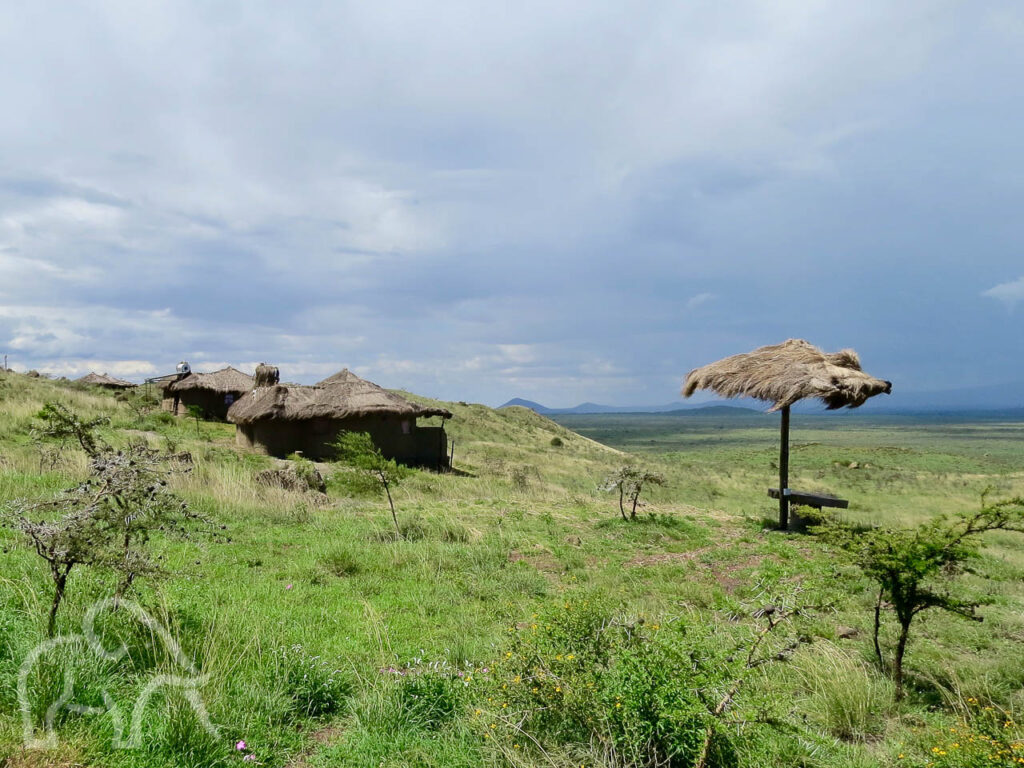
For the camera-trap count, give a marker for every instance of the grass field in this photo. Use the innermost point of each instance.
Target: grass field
(519, 620)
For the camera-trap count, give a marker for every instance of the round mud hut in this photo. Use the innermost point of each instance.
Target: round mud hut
(279, 420)
(214, 393)
(105, 381)
(782, 374)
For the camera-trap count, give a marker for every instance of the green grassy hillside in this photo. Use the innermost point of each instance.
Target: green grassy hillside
(518, 621)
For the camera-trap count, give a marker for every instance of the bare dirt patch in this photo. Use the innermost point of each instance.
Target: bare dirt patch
(726, 573)
(667, 558)
(321, 737)
(542, 560)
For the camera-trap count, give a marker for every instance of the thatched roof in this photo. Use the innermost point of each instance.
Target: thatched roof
(783, 373)
(226, 380)
(341, 396)
(103, 380)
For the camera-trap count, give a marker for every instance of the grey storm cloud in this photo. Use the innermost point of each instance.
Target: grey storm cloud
(578, 201)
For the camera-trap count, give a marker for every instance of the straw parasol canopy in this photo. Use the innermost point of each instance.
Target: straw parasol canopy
(103, 380)
(341, 396)
(782, 374)
(224, 381)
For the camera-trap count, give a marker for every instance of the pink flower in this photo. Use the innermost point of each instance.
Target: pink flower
(288, 587)
(240, 746)
(249, 759)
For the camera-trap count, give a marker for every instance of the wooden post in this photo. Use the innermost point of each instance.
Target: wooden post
(784, 470)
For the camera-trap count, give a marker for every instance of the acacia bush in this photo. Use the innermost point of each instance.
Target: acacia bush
(59, 423)
(629, 481)
(106, 521)
(918, 568)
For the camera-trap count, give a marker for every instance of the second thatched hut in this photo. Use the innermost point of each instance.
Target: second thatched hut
(279, 419)
(105, 381)
(213, 392)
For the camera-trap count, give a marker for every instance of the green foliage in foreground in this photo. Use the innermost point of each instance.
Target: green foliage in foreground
(916, 568)
(643, 695)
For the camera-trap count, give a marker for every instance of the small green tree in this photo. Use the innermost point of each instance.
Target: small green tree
(140, 400)
(106, 521)
(917, 568)
(357, 450)
(629, 481)
(196, 412)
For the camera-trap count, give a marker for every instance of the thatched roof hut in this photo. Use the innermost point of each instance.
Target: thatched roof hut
(103, 380)
(213, 392)
(223, 381)
(782, 374)
(341, 396)
(280, 419)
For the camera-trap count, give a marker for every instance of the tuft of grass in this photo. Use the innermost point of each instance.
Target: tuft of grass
(847, 698)
(342, 561)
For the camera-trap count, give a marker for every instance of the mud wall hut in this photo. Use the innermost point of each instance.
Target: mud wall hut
(279, 420)
(213, 392)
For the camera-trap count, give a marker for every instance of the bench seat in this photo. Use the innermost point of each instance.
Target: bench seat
(816, 500)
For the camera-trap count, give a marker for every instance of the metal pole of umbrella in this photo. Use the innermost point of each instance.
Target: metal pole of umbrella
(784, 470)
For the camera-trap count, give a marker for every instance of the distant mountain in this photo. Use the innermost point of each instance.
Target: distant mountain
(989, 397)
(583, 408)
(1002, 397)
(537, 407)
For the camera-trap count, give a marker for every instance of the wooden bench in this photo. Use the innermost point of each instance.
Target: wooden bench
(794, 520)
(816, 500)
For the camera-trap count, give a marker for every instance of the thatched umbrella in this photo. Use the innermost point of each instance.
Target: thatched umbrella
(782, 374)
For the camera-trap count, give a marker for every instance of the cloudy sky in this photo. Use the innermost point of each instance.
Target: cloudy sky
(567, 201)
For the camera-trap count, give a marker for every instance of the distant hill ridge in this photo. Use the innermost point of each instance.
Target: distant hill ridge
(995, 397)
(584, 408)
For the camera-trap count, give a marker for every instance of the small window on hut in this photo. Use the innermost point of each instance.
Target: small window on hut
(406, 427)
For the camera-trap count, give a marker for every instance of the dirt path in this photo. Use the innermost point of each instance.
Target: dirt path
(322, 737)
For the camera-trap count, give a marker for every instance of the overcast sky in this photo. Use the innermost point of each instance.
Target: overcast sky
(566, 201)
